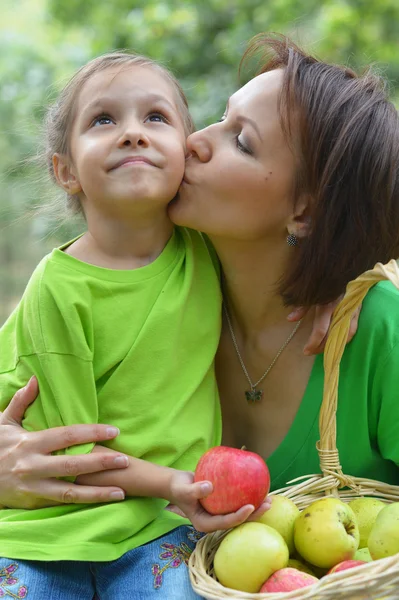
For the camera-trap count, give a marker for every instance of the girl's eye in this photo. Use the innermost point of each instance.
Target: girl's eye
(157, 118)
(102, 120)
(242, 147)
(221, 119)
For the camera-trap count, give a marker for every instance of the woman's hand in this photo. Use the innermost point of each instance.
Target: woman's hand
(321, 325)
(184, 498)
(28, 470)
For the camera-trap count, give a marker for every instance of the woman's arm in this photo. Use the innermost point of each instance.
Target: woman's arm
(29, 471)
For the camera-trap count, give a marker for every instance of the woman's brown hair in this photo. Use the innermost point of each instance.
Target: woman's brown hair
(345, 135)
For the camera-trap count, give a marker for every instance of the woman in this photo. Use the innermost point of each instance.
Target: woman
(298, 190)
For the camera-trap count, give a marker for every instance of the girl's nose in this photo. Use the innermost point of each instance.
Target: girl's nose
(134, 135)
(199, 145)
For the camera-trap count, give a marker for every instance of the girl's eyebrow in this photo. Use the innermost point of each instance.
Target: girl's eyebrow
(98, 102)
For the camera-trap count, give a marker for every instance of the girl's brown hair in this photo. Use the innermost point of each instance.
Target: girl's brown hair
(344, 133)
(60, 116)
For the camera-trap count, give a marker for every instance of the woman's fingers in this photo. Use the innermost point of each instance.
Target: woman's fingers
(74, 465)
(59, 438)
(321, 324)
(22, 399)
(53, 491)
(354, 323)
(297, 313)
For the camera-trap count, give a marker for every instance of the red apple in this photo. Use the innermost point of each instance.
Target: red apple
(238, 477)
(346, 564)
(287, 580)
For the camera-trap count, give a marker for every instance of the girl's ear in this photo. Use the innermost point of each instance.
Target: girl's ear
(300, 223)
(65, 175)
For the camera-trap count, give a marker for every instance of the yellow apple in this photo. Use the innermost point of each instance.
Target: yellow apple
(366, 511)
(294, 563)
(326, 533)
(363, 554)
(384, 537)
(248, 555)
(281, 516)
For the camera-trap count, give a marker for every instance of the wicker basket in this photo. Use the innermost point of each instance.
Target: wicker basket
(376, 580)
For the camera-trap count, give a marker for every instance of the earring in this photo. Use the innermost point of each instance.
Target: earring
(292, 240)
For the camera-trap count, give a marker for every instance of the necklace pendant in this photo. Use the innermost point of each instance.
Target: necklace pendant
(253, 395)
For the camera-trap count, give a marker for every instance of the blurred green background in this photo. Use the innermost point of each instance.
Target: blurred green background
(42, 42)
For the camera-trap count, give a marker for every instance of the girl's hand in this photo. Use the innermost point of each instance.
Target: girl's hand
(184, 499)
(28, 470)
(321, 325)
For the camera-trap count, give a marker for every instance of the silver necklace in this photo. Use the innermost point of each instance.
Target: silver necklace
(254, 395)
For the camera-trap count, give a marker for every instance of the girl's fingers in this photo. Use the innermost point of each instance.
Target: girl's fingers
(208, 523)
(261, 510)
(22, 399)
(175, 509)
(200, 489)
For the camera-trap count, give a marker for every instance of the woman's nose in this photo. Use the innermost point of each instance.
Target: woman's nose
(199, 145)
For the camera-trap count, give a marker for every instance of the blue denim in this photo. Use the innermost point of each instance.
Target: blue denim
(157, 570)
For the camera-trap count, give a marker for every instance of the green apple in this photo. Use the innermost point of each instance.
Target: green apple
(326, 533)
(281, 516)
(294, 563)
(384, 537)
(363, 554)
(366, 511)
(248, 555)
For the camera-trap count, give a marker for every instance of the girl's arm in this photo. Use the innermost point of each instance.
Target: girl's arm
(143, 478)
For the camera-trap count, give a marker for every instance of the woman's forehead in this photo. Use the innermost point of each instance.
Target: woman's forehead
(263, 87)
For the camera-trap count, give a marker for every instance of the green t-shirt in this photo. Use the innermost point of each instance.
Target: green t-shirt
(368, 402)
(133, 348)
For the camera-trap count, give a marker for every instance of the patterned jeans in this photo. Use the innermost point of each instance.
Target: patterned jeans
(157, 570)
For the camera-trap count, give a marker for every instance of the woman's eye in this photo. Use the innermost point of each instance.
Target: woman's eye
(157, 118)
(242, 147)
(221, 119)
(102, 120)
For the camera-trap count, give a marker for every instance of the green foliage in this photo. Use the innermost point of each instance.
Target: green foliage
(43, 41)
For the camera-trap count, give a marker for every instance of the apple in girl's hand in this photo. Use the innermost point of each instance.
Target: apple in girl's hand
(281, 516)
(238, 477)
(346, 564)
(248, 555)
(287, 580)
(326, 533)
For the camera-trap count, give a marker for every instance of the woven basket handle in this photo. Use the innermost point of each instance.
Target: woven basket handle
(335, 346)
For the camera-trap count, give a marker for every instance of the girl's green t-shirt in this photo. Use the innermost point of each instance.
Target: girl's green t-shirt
(131, 348)
(368, 402)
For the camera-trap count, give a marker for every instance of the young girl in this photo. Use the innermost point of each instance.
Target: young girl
(120, 325)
